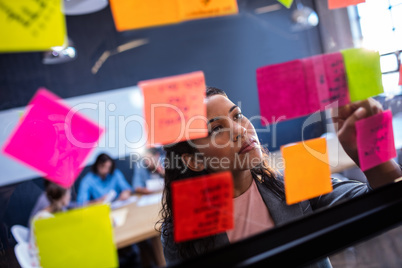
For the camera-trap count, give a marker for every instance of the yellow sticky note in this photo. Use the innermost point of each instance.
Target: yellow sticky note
(31, 25)
(78, 238)
(197, 9)
(286, 3)
(307, 172)
(134, 14)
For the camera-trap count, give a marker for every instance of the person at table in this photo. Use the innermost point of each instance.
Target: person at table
(150, 168)
(58, 198)
(258, 191)
(103, 183)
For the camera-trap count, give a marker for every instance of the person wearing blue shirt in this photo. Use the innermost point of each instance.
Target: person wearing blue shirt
(150, 167)
(101, 181)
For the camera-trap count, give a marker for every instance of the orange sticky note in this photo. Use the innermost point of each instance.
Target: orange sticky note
(134, 14)
(307, 171)
(400, 75)
(197, 9)
(202, 206)
(333, 4)
(174, 108)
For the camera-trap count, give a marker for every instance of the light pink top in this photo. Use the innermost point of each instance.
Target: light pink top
(251, 215)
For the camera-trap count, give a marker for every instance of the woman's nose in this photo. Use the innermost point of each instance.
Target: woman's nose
(240, 132)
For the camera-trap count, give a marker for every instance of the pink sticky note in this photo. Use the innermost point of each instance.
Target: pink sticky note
(282, 92)
(326, 81)
(316, 81)
(53, 139)
(375, 140)
(338, 93)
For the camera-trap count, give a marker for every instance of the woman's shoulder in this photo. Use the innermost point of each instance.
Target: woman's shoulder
(90, 175)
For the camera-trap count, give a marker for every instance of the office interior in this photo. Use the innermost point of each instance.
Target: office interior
(228, 49)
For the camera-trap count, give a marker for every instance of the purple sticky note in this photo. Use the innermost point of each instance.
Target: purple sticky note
(53, 139)
(338, 93)
(282, 92)
(375, 140)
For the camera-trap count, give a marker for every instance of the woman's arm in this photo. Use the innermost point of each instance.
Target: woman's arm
(344, 119)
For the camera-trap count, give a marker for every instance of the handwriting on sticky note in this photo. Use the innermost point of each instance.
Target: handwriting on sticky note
(202, 206)
(31, 25)
(326, 80)
(206, 9)
(300, 87)
(375, 140)
(307, 173)
(363, 73)
(53, 139)
(174, 108)
(333, 4)
(84, 238)
(336, 78)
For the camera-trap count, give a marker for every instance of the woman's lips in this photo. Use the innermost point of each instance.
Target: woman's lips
(247, 146)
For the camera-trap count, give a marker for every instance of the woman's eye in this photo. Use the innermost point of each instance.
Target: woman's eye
(238, 116)
(216, 129)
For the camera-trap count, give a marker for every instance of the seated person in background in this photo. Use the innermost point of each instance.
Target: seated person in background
(102, 182)
(151, 167)
(58, 198)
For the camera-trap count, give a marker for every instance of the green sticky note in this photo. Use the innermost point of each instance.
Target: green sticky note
(286, 3)
(363, 73)
(78, 238)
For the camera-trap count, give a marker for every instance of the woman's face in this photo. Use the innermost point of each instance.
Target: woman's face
(104, 168)
(232, 143)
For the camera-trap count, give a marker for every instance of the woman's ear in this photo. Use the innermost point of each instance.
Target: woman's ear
(192, 162)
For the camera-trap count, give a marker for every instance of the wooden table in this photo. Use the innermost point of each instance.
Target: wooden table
(138, 226)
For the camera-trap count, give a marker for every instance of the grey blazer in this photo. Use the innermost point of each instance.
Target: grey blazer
(282, 213)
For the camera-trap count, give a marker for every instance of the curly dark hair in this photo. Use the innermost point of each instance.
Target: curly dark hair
(176, 170)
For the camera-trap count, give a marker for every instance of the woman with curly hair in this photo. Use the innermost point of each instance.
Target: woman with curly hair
(259, 199)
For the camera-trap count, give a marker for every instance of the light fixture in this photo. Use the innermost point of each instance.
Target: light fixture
(60, 54)
(108, 53)
(304, 17)
(81, 7)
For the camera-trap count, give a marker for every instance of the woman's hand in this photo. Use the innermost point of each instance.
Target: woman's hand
(344, 119)
(124, 195)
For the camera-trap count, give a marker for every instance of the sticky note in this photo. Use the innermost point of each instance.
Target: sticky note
(78, 238)
(202, 206)
(135, 14)
(53, 139)
(336, 78)
(286, 3)
(31, 25)
(400, 75)
(326, 81)
(174, 108)
(196, 9)
(375, 140)
(316, 82)
(333, 4)
(282, 91)
(363, 73)
(307, 173)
